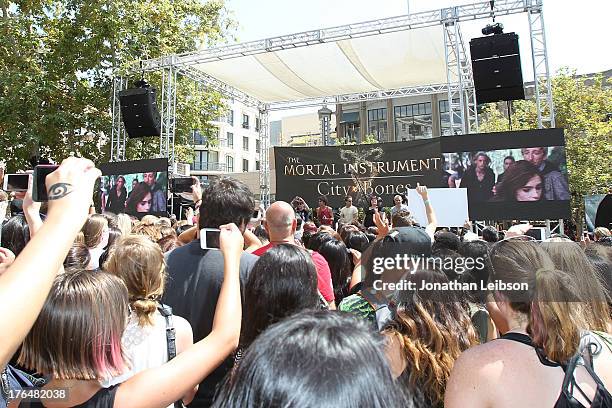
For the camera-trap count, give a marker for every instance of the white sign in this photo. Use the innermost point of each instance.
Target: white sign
(450, 205)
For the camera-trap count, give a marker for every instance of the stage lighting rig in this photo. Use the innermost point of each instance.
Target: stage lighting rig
(497, 28)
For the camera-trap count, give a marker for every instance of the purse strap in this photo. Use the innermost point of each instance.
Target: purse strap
(166, 311)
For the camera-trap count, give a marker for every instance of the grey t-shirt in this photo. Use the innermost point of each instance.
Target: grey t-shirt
(192, 289)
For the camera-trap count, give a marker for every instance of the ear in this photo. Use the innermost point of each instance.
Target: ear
(294, 225)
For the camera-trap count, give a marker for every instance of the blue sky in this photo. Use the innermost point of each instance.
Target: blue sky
(578, 33)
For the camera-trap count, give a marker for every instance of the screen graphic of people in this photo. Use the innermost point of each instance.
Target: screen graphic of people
(522, 182)
(140, 200)
(479, 179)
(159, 203)
(117, 195)
(555, 184)
(508, 160)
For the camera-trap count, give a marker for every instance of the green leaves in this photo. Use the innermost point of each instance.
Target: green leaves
(581, 108)
(56, 68)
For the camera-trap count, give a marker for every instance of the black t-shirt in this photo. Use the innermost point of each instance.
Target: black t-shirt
(192, 289)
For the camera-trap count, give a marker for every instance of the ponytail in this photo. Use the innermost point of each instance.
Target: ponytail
(557, 316)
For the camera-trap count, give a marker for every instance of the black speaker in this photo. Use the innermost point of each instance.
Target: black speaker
(496, 63)
(139, 112)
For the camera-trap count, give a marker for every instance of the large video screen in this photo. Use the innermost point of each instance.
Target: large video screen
(136, 188)
(508, 175)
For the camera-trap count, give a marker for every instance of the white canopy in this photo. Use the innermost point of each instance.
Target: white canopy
(391, 60)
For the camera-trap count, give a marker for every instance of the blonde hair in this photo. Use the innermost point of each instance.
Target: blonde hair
(124, 223)
(601, 232)
(140, 263)
(147, 229)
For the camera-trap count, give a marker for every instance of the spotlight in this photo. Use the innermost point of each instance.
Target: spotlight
(497, 28)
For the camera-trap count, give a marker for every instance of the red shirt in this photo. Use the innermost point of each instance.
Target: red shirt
(325, 215)
(324, 281)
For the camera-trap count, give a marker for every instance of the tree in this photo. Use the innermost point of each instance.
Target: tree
(57, 60)
(582, 108)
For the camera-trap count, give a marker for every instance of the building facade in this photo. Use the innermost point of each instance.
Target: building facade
(238, 144)
(391, 120)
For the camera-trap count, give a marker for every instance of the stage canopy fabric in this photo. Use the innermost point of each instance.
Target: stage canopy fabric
(365, 64)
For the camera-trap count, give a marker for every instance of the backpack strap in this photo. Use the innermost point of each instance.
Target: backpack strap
(380, 306)
(166, 311)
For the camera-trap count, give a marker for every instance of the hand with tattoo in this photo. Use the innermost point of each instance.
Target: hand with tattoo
(70, 189)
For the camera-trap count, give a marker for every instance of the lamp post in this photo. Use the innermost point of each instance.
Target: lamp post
(325, 118)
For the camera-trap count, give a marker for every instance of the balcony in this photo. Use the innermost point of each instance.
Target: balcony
(209, 166)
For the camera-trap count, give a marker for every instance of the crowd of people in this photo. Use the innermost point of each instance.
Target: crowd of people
(107, 310)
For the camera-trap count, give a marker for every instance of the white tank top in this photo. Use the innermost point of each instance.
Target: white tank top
(143, 347)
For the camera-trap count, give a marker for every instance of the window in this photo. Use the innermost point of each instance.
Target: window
(257, 145)
(230, 117)
(413, 122)
(229, 163)
(257, 165)
(257, 124)
(199, 138)
(377, 123)
(230, 139)
(245, 143)
(245, 165)
(445, 125)
(245, 121)
(206, 160)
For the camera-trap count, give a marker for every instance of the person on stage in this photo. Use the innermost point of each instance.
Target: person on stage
(325, 214)
(349, 213)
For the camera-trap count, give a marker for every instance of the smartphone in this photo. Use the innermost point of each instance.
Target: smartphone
(39, 189)
(16, 182)
(181, 185)
(209, 238)
(255, 214)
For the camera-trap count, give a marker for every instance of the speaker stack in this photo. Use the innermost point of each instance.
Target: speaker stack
(139, 112)
(496, 63)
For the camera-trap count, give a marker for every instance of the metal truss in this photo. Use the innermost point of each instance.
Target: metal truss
(117, 152)
(361, 97)
(368, 28)
(454, 57)
(219, 86)
(460, 85)
(168, 117)
(264, 158)
(541, 72)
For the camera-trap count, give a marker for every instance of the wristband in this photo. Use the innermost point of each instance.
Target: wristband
(426, 201)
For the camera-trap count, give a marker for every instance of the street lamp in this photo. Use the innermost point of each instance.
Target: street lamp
(325, 118)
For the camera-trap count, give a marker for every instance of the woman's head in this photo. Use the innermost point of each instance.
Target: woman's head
(96, 231)
(553, 321)
(433, 329)
(139, 201)
(337, 256)
(357, 240)
(140, 264)
(15, 234)
(322, 201)
(282, 282)
(77, 334)
(317, 239)
(120, 183)
(522, 182)
(373, 201)
(571, 259)
(310, 360)
(78, 256)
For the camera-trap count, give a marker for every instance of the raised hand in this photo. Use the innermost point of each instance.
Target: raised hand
(422, 190)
